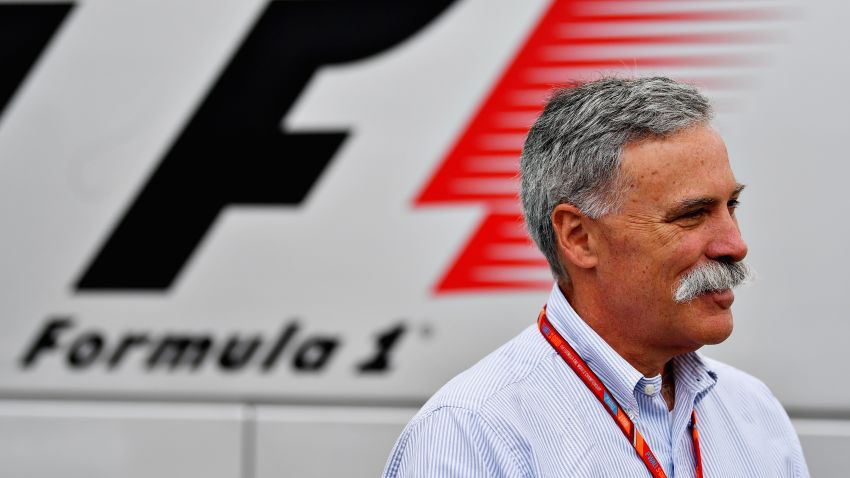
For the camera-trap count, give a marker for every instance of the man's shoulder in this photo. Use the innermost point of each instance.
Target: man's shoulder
(741, 404)
(743, 388)
(467, 421)
(730, 376)
(494, 375)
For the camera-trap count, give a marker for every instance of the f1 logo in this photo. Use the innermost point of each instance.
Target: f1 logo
(233, 150)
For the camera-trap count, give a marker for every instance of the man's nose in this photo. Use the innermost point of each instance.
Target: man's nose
(727, 240)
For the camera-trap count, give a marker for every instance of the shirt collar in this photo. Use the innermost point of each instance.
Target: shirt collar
(615, 372)
(693, 372)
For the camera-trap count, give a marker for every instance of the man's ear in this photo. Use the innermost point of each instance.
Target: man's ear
(574, 239)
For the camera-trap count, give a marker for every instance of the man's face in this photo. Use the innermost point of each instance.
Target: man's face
(678, 212)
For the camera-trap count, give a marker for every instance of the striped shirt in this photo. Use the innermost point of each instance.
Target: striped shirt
(522, 412)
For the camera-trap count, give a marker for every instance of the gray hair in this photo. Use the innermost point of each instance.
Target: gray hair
(572, 152)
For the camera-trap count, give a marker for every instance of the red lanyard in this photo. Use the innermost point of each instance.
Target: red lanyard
(609, 403)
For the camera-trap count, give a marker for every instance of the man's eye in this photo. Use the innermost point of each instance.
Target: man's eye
(733, 204)
(695, 214)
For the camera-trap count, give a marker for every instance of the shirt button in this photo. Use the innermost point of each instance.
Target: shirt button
(649, 389)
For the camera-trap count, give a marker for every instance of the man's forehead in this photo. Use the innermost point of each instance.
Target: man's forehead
(686, 147)
(689, 164)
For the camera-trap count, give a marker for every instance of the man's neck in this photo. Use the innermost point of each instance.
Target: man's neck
(645, 359)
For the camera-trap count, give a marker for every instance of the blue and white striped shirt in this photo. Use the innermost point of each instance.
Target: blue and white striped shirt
(522, 412)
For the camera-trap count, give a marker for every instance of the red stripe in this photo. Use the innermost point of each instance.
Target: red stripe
(692, 60)
(674, 39)
(689, 16)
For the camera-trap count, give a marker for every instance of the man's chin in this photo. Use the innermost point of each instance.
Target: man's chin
(717, 335)
(716, 326)
(711, 317)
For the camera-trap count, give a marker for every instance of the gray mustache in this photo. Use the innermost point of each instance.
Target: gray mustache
(710, 277)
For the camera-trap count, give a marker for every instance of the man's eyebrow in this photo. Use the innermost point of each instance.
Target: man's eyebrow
(688, 205)
(740, 187)
(695, 203)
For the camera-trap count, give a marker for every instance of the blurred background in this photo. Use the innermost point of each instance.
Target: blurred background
(250, 238)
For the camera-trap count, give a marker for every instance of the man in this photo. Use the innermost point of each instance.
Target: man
(628, 192)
